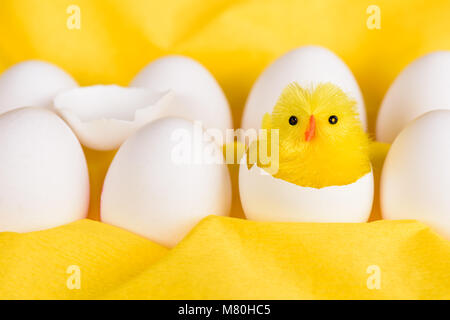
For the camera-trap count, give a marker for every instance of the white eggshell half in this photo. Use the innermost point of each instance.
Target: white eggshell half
(43, 173)
(415, 182)
(103, 117)
(265, 198)
(32, 84)
(150, 191)
(198, 96)
(421, 87)
(309, 66)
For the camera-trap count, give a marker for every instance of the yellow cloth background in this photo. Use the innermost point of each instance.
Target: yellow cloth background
(226, 257)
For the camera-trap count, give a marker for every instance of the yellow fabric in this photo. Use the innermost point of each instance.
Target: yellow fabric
(226, 257)
(229, 258)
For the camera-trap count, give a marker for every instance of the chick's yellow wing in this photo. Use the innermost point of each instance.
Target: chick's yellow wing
(267, 121)
(254, 148)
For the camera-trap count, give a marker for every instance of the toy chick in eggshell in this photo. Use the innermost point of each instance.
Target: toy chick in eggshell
(323, 160)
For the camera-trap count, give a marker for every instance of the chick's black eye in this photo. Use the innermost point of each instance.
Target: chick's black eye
(333, 119)
(293, 120)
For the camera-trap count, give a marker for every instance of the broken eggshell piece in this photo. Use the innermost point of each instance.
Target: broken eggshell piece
(265, 198)
(104, 116)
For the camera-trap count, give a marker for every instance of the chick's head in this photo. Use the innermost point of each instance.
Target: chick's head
(321, 139)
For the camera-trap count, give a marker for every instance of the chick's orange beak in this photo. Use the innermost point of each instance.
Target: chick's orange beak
(311, 130)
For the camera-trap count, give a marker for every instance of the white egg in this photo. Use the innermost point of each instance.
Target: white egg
(32, 84)
(415, 182)
(103, 117)
(164, 180)
(198, 96)
(421, 87)
(265, 198)
(308, 66)
(43, 173)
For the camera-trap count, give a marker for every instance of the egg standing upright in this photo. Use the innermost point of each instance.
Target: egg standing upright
(197, 94)
(44, 180)
(307, 65)
(164, 179)
(318, 167)
(32, 83)
(415, 182)
(421, 87)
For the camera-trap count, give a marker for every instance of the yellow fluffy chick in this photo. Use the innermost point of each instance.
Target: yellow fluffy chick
(321, 140)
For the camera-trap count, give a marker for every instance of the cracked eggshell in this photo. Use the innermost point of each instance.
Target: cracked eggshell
(43, 173)
(32, 84)
(148, 190)
(421, 87)
(265, 198)
(198, 96)
(104, 116)
(309, 65)
(415, 181)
